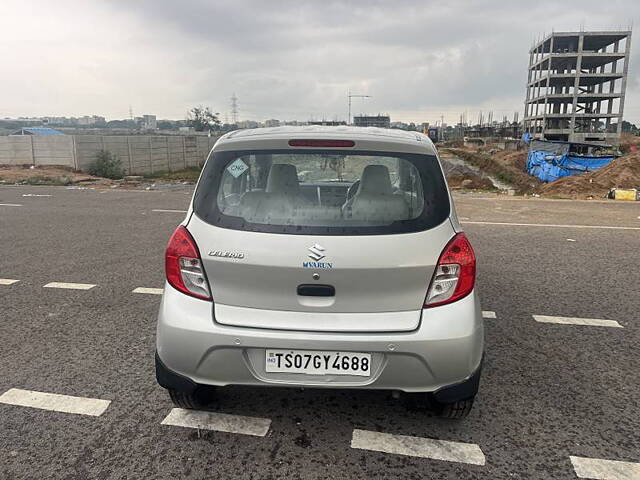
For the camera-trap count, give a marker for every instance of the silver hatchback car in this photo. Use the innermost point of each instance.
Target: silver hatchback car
(322, 257)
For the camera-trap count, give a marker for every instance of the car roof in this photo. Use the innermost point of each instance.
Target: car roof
(365, 138)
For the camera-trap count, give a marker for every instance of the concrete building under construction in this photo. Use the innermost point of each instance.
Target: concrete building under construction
(576, 86)
(382, 121)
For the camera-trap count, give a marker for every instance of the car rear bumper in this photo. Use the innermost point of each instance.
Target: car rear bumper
(445, 351)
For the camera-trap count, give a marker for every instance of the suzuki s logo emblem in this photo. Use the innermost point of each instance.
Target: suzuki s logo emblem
(316, 255)
(316, 252)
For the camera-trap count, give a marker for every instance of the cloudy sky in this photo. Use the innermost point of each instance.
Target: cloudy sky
(285, 59)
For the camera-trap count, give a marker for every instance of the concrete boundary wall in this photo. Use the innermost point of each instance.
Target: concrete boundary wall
(140, 154)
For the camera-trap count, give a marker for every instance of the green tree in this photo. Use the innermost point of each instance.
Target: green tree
(203, 119)
(629, 127)
(107, 165)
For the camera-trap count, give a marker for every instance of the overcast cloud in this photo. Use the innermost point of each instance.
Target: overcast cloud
(285, 59)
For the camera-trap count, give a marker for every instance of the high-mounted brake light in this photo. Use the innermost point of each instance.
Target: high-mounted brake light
(322, 143)
(183, 265)
(455, 273)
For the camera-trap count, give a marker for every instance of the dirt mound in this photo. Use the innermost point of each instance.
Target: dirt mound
(471, 182)
(461, 175)
(629, 143)
(514, 159)
(457, 143)
(623, 172)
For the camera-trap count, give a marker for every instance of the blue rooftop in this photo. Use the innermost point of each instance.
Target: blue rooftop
(37, 131)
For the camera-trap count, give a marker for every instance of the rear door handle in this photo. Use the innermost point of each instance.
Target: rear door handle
(315, 290)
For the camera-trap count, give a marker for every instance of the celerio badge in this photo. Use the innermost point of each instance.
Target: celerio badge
(223, 254)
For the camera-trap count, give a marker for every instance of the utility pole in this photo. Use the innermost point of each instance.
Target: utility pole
(234, 109)
(350, 96)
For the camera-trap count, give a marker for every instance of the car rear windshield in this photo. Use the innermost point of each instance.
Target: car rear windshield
(310, 192)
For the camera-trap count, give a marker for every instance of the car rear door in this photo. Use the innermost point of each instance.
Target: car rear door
(330, 283)
(276, 259)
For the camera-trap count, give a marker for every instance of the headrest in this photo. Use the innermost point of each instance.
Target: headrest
(375, 181)
(283, 178)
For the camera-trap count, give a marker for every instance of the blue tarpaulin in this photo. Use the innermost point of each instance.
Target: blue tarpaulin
(550, 164)
(37, 131)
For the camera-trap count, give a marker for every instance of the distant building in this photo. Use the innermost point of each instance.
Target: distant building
(382, 121)
(87, 120)
(328, 123)
(434, 133)
(37, 131)
(272, 122)
(248, 124)
(149, 122)
(64, 121)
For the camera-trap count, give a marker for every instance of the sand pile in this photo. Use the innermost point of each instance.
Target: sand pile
(623, 172)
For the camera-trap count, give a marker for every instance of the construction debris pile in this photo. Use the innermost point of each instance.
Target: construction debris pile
(508, 168)
(461, 175)
(623, 172)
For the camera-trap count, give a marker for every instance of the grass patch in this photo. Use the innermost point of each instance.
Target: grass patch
(190, 174)
(42, 180)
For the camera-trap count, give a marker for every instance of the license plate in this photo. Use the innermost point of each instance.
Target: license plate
(318, 363)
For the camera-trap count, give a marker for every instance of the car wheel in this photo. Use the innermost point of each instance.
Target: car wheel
(456, 410)
(200, 398)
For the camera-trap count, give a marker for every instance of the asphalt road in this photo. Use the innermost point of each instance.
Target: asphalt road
(548, 392)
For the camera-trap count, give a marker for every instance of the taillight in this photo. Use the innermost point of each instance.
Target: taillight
(455, 273)
(183, 265)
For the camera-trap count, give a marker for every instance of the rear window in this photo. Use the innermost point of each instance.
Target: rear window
(312, 192)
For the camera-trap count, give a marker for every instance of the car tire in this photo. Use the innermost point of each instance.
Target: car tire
(456, 410)
(196, 400)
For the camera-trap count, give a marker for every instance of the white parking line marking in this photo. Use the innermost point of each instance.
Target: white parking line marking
(55, 402)
(606, 227)
(168, 211)
(8, 281)
(488, 314)
(590, 322)
(72, 286)
(596, 468)
(10, 205)
(418, 447)
(220, 422)
(34, 195)
(150, 291)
